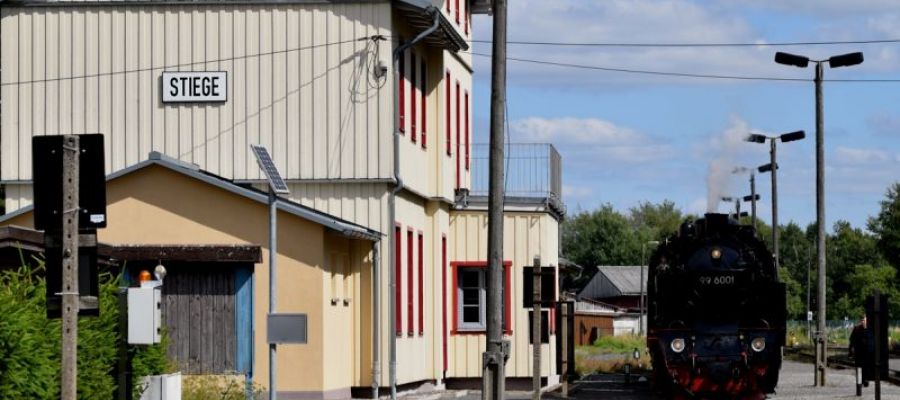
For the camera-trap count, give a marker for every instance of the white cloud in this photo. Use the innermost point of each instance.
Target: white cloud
(822, 7)
(577, 192)
(884, 123)
(853, 156)
(591, 141)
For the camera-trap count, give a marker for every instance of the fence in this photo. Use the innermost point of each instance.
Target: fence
(532, 170)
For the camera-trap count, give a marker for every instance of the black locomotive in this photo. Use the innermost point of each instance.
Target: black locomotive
(716, 314)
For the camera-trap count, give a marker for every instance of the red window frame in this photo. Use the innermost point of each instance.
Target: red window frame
(456, 11)
(467, 131)
(507, 304)
(444, 296)
(467, 16)
(447, 117)
(413, 96)
(448, 6)
(409, 282)
(398, 275)
(424, 83)
(421, 284)
(458, 126)
(402, 91)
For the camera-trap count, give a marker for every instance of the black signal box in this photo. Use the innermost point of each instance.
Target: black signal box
(877, 318)
(47, 170)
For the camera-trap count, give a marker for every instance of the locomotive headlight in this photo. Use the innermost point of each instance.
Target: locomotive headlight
(716, 254)
(758, 344)
(677, 345)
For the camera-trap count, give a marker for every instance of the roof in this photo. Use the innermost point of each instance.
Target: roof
(329, 221)
(614, 281)
(420, 15)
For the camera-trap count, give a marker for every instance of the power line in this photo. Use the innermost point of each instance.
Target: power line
(681, 74)
(622, 44)
(193, 63)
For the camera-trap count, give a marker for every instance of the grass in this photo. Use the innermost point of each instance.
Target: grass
(610, 354)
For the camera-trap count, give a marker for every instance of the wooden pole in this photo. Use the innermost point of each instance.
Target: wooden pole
(71, 151)
(565, 348)
(536, 330)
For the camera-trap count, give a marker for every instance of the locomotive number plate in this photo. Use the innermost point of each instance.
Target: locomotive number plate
(717, 280)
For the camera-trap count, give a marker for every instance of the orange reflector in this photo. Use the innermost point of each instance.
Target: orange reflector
(144, 276)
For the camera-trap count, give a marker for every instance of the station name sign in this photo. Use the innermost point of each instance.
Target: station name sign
(194, 87)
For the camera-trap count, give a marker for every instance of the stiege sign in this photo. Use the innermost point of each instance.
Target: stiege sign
(194, 87)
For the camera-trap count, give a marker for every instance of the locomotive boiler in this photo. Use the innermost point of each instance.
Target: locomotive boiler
(716, 312)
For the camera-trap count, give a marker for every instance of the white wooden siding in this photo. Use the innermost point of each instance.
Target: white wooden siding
(298, 84)
(525, 235)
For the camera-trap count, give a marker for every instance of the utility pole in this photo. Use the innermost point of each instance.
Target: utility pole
(536, 329)
(753, 197)
(821, 349)
(494, 358)
(71, 150)
(773, 151)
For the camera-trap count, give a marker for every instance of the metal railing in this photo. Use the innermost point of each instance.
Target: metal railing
(532, 170)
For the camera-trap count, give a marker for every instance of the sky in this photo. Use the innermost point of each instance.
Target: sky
(627, 138)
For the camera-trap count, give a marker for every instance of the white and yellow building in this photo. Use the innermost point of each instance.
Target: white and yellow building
(377, 139)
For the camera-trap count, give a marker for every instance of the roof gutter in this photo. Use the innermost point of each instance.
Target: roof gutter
(392, 200)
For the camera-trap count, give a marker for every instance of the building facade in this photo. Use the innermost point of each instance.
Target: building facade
(360, 130)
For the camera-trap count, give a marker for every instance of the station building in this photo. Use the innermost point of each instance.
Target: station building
(385, 233)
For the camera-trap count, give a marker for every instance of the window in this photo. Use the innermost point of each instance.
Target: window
(467, 15)
(458, 126)
(447, 114)
(402, 91)
(456, 10)
(413, 95)
(409, 281)
(444, 296)
(470, 297)
(467, 131)
(398, 275)
(424, 83)
(421, 284)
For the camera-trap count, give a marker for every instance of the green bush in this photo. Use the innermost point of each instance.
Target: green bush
(620, 344)
(30, 343)
(208, 387)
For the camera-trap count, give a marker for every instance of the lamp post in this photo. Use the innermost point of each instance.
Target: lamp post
(772, 167)
(753, 197)
(844, 60)
(643, 261)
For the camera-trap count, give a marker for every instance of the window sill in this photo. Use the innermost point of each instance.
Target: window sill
(477, 332)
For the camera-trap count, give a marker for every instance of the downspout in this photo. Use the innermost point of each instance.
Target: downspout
(392, 199)
(376, 317)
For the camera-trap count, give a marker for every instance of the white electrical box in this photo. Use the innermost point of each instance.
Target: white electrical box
(144, 315)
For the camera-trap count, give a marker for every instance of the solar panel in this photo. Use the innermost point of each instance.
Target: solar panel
(268, 166)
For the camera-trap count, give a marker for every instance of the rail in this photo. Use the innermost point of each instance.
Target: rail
(533, 170)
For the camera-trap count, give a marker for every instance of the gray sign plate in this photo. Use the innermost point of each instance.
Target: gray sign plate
(287, 328)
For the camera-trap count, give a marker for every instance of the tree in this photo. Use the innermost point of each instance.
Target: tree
(600, 237)
(655, 221)
(886, 226)
(848, 248)
(863, 282)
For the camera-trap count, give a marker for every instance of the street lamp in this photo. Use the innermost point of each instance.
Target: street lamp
(844, 60)
(643, 261)
(773, 167)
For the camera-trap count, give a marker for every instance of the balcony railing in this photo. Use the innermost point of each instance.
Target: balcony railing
(533, 170)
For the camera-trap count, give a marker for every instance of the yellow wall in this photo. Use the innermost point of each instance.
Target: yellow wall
(158, 206)
(525, 235)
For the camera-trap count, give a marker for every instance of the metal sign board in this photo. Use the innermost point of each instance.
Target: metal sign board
(194, 87)
(268, 166)
(286, 328)
(47, 170)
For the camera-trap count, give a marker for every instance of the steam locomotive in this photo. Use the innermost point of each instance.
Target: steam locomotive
(716, 312)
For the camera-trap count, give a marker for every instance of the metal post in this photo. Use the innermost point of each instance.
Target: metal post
(565, 349)
(71, 154)
(493, 374)
(641, 317)
(273, 254)
(776, 255)
(753, 198)
(808, 292)
(536, 330)
(877, 327)
(821, 350)
(376, 318)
